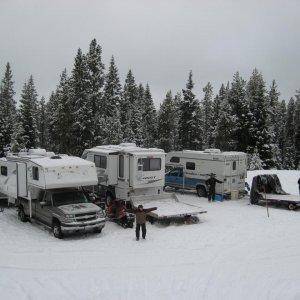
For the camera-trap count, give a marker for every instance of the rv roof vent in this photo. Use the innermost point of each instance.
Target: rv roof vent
(38, 151)
(212, 151)
(55, 157)
(128, 145)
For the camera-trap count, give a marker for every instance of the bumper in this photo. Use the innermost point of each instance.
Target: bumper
(82, 227)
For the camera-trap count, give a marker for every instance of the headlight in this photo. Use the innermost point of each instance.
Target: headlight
(99, 214)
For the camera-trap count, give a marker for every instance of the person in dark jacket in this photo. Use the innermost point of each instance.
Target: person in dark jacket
(211, 183)
(140, 218)
(299, 184)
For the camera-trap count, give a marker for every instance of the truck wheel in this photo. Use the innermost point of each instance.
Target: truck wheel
(201, 191)
(57, 230)
(291, 206)
(21, 214)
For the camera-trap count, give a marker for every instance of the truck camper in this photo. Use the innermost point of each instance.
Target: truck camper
(136, 175)
(49, 188)
(189, 169)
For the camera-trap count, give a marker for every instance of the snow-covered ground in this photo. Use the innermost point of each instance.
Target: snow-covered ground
(236, 252)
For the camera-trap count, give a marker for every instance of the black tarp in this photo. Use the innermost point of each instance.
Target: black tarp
(265, 183)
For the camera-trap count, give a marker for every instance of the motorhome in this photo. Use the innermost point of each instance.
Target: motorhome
(190, 169)
(136, 175)
(49, 188)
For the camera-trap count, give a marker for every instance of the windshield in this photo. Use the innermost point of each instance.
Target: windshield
(68, 197)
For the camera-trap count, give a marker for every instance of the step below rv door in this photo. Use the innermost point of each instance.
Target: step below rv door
(22, 187)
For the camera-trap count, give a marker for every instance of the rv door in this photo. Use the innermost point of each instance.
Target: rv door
(22, 180)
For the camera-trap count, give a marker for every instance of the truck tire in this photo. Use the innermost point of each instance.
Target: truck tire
(56, 228)
(201, 191)
(21, 214)
(291, 206)
(98, 230)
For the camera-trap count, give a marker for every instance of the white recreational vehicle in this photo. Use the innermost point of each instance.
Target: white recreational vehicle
(190, 169)
(136, 175)
(48, 188)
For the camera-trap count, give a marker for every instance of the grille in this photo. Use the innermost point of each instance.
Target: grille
(85, 217)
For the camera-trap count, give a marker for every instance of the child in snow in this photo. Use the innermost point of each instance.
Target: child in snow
(141, 214)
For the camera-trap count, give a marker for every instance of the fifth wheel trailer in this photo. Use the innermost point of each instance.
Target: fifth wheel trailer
(137, 175)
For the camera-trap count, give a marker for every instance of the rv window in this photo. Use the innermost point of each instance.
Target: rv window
(234, 166)
(190, 166)
(175, 159)
(35, 173)
(150, 164)
(100, 161)
(121, 166)
(3, 170)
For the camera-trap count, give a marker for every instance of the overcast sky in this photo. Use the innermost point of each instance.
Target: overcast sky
(159, 40)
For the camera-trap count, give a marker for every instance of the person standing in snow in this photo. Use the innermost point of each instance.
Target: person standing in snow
(140, 214)
(211, 183)
(299, 185)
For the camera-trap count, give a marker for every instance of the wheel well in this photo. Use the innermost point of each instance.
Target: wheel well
(55, 221)
(202, 186)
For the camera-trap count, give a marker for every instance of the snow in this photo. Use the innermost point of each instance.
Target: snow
(235, 252)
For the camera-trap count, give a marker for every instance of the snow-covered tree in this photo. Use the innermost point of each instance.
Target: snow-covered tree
(42, 123)
(167, 123)
(83, 114)
(149, 119)
(254, 161)
(110, 132)
(137, 121)
(95, 82)
(207, 108)
(7, 108)
(259, 106)
(225, 126)
(240, 109)
(289, 156)
(17, 138)
(297, 130)
(281, 124)
(187, 124)
(129, 98)
(28, 114)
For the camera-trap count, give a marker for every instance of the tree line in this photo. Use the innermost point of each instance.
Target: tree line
(91, 107)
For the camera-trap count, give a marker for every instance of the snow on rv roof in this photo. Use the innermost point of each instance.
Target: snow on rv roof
(63, 161)
(130, 148)
(207, 152)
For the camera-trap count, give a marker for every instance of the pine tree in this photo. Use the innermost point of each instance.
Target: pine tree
(95, 82)
(83, 115)
(188, 138)
(244, 126)
(207, 116)
(297, 130)
(254, 161)
(225, 125)
(111, 129)
(149, 119)
(177, 114)
(167, 123)
(53, 123)
(129, 98)
(17, 138)
(7, 108)
(281, 123)
(258, 101)
(289, 157)
(28, 114)
(42, 123)
(137, 121)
